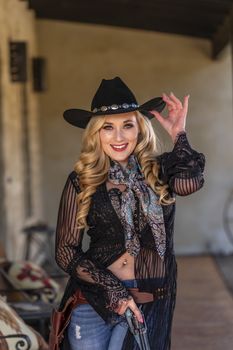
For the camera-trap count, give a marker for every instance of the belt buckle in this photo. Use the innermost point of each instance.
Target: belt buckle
(160, 293)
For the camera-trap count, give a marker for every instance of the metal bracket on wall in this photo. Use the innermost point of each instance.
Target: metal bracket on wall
(18, 61)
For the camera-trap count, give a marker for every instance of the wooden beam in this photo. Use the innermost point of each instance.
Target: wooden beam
(196, 18)
(171, 27)
(223, 35)
(181, 8)
(183, 23)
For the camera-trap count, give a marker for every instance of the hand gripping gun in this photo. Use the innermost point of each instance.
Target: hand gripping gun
(138, 329)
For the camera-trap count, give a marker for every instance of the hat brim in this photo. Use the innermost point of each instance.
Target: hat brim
(156, 104)
(77, 117)
(81, 117)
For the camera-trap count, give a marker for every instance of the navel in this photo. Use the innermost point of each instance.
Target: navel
(125, 262)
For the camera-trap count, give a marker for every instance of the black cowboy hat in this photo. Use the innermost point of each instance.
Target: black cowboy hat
(112, 97)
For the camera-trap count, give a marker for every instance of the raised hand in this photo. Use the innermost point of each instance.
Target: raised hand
(177, 112)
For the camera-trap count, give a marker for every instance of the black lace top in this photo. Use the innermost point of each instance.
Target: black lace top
(182, 169)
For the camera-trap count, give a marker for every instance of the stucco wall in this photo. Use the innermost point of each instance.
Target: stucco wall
(79, 56)
(17, 23)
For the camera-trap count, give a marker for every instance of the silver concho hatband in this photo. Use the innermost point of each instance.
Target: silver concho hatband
(114, 107)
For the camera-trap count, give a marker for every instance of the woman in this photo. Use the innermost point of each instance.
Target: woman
(123, 192)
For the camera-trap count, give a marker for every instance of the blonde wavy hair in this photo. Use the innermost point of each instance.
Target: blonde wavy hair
(93, 164)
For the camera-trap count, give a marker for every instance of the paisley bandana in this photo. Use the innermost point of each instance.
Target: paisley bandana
(133, 177)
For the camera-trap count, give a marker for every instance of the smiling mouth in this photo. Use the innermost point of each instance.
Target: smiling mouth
(119, 148)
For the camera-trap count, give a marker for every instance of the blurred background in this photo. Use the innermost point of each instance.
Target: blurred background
(53, 55)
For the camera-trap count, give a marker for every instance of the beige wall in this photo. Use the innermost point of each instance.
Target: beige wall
(17, 23)
(79, 56)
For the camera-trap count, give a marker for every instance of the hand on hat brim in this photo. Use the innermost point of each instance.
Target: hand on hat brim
(175, 121)
(156, 104)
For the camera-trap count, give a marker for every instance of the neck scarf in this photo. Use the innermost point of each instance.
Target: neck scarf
(133, 177)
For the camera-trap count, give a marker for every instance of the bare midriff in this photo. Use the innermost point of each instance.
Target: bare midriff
(123, 267)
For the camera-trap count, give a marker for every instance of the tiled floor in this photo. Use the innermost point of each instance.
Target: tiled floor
(203, 317)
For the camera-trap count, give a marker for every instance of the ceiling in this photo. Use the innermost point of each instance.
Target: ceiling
(209, 19)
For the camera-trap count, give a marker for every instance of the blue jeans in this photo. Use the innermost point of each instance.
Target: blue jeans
(88, 331)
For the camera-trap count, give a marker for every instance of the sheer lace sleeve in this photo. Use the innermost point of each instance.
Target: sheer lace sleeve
(70, 256)
(182, 168)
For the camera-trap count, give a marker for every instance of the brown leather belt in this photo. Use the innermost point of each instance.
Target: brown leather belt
(80, 298)
(139, 297)
(145, 297)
